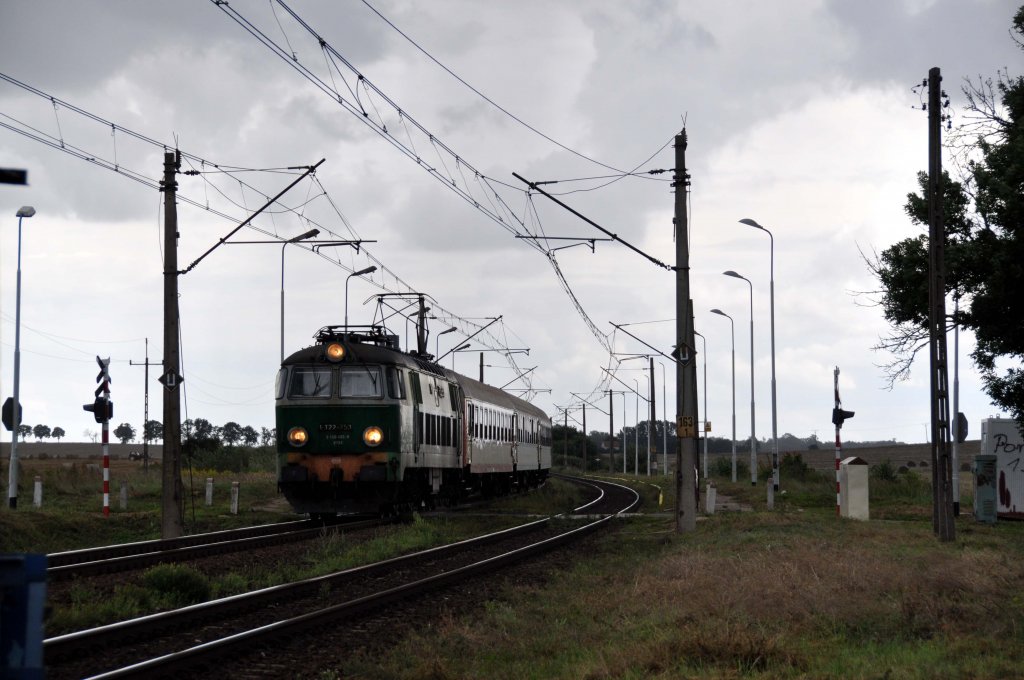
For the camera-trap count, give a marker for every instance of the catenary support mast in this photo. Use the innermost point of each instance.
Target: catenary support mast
(942, 507)
(686, 375)
(172, 505)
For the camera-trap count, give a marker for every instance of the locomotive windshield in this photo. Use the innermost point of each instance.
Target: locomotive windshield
(311, 383)
(361, 381)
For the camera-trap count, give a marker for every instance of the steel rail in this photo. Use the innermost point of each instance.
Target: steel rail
(139, 560)
(224, 647)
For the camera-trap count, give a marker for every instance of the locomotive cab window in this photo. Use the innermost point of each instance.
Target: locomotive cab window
(396, 388)
(311, 383)
(361, 381)
(281, 383)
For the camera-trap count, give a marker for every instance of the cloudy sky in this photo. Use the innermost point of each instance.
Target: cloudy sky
(800, 115)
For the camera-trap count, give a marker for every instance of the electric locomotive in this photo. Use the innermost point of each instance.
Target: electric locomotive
(365, 427)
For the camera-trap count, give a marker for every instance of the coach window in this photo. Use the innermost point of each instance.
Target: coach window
(311, 383)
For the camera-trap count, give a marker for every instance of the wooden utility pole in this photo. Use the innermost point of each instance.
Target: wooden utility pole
(942, 505)
(145, 412)
(686, 375)
(172, 505)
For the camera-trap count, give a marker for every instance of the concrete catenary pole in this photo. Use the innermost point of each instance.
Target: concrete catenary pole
(611, 433)
(942, 507)
(686, 375)
(172, 504)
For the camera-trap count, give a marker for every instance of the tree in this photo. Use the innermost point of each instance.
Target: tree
(153, 429)
(202, 429)
(231, 433)
(24, 431)
(267, 436)
(249, 436)
(41, 432)
(125, 433)
(984, 222)
(58, 433)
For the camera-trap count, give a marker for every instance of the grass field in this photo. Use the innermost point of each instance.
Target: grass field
(789, 593)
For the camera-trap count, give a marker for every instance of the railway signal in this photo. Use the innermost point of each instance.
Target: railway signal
(838, 416)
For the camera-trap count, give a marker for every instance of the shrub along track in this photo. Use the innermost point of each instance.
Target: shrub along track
(299, 629)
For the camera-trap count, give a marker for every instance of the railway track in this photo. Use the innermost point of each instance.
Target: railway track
(129, 556)
(220, 630)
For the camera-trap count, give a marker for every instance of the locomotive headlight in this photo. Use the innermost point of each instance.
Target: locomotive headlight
(335, 352)
(297, 436)
(373, 436)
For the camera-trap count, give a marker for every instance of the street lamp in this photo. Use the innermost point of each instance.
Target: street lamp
(753, 438)
(12, 477)
(704, 341)
(301, 237)
(732, 331)
(775, 432)
(457, 350)
(368, 270)
(437, 340)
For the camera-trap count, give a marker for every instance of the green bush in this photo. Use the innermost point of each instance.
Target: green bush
(792, 466)
(884, 471)
(177, 585)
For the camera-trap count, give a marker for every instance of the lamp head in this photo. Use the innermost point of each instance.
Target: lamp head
(719, 312)
(26, 211)
(462, 347)
(368, 270)
(735, 275)
(450, 330)
(751, 223)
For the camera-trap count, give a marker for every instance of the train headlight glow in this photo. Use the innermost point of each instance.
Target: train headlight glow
(335, 352)
(297, 436)
(373, 436)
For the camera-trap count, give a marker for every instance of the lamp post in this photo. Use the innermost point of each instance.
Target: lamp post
(457, 350)
(775, 432)
(437, 341)
(368, 270)
(301, 237)
(732, 332)
(12, 478)
(704, 341)
(753, 438)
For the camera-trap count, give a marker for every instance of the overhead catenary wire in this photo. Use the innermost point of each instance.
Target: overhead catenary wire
(387, 280)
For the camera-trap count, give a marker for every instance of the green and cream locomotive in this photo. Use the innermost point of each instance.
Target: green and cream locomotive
(365, 427)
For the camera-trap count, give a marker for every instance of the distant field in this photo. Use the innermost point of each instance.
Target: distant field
(31, 449)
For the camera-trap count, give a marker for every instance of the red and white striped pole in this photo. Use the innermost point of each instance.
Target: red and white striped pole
(104, 389)
(838, 416)
(106, 467)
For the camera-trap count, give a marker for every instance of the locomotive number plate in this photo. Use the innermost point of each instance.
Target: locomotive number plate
(335, 427)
